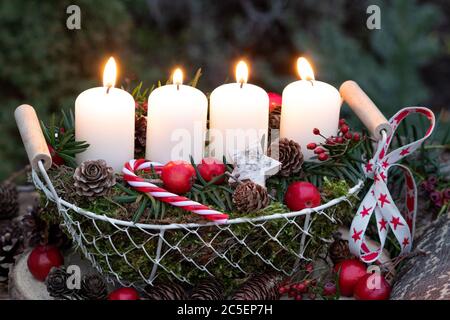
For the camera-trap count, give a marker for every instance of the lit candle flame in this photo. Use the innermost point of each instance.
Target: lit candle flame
(304, 69)
(241, 72)
(110, 73)
(177, 77)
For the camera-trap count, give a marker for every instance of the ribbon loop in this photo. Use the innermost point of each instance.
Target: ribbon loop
(378, 200)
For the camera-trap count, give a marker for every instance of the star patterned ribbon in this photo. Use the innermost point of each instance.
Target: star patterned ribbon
(378, 199)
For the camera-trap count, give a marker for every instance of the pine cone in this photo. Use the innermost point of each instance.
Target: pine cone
(260, 287)
(290, 156)
(93, 178)
(274, 118)
(35, 231)
(11, 244)
(93, 287)
(250, 197)
(169, 291)
(9, 205)
(209, 289)
(339, 249)
(56, 283)
(140, 135)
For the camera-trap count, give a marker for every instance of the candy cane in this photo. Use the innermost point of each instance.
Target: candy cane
(163, 195)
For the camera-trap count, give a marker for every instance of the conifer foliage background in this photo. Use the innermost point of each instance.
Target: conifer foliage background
(44, 64)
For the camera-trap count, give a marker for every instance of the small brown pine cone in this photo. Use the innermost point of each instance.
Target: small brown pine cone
(209, 289)
(250, 197)
(274, 118)
(9, 205)
(166, 291)
(339, 250)
(93, 178)
(259, 287)
(290, 156)
(140, 135)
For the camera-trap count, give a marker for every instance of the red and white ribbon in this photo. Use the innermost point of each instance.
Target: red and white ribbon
(378, 200)
(140, 184)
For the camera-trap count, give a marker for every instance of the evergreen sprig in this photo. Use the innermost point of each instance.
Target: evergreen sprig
(60, 136)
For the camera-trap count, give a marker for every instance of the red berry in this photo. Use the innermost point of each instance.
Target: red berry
(348, 135)
(178, 176)
(56, 159)
(330, 141)
(292, 293)
(124, 294)
(282, 290)
(301, 287)
(311, 146)
(309, 268)
(350, 271)
(211, 168)
(372, 287)
(339, 140)
(298, 297)
(301, 195)
(319, 150)
(356, 137)
(316, 131)
(345, 129)
(329, 289)
(341, 122)
(274, 100)
(42, 259)
(323, 157)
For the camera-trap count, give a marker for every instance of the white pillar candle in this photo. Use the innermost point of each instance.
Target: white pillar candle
(176, 125)
(239, 114)
(104, 118)
(309, 104)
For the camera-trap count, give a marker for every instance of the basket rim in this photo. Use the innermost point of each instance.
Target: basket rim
(51, 195)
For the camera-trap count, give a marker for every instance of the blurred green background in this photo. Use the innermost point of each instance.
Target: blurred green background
(43, 63)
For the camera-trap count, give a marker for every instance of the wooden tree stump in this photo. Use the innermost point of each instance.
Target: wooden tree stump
(427, 277)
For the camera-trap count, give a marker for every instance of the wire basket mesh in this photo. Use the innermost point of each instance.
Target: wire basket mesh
(188, 252)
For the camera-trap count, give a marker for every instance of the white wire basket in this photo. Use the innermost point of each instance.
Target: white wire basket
(139, 254)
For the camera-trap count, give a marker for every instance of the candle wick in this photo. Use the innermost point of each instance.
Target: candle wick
(311, 81)
(108, 88)
(242, 84)
(178, 86)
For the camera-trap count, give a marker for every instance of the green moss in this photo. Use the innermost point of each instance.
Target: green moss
(228, 252)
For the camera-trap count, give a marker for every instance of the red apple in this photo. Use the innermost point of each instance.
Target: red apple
(350, 272)
(372, 287)
(178, 176)
(301, 195)
(211, 168)
(274, 100)
(42, 259)
(124, 294)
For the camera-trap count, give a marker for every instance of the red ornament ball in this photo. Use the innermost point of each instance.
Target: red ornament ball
(274, 100)
(211, 168)
(124, 294)
(372, 287)
(42, 259)
(178, 176)
(350, 272)
(301, 195)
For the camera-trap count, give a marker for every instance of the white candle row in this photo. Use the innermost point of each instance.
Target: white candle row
(177, 116)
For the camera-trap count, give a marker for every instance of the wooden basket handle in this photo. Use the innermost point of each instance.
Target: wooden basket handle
(32, 136)
(365, 109)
